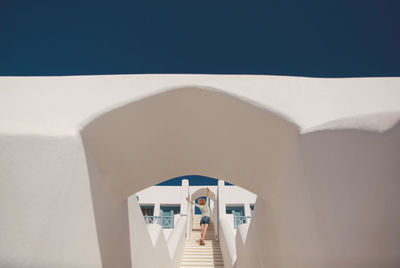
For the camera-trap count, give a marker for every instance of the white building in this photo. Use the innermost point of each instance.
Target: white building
(167, 206)
(322, 156)
(157, 201)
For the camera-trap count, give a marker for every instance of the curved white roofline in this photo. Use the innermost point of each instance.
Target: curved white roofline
(62, 105)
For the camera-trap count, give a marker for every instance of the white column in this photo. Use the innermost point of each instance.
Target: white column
(212, 204)
(220, 204)
(247, 210)
(157, 209)
(221, 198)
(185, 208)
(189, 222)
(184, 194)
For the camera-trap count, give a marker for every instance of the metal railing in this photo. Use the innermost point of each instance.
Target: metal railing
(238, 220)
(167, 222)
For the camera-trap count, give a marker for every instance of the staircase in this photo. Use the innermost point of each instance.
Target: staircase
(197, 256)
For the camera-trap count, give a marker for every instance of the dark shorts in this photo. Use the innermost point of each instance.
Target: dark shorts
(205, 220)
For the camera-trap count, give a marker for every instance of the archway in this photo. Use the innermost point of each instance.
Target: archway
(202, 192)
(184, 131)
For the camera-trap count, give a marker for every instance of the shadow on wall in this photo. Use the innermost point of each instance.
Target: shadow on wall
(355, 178)
(352, 178)
(325, 199)
(180, 132)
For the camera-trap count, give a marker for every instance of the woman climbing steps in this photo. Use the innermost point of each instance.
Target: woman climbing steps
(205, 215)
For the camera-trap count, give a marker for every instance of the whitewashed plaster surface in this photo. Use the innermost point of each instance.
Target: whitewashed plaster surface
(73, 149)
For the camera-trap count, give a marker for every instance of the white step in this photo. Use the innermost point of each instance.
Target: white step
(202, 250)
(199, 235)
(198, 241)
(198, 246)
(217, 250)
(209, 255)
(208, 266)
(197, 259)
(201, 247)
(202, 266)
(198, 256)
(202, 263)
(203, 260)
(209, 242)
(205, 254)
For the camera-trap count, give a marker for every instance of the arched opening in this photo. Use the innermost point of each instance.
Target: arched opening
(201, 193)
(166, 205)
(187, 131)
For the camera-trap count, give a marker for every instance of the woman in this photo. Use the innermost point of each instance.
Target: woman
(205, 215)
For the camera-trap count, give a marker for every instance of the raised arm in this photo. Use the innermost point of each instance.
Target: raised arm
(191, 202)
(208, 192)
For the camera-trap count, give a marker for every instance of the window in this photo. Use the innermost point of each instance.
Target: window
(166, 210)
(252, 209)
(147, 210)
(238, 214)
(235, 210)
(167, 215)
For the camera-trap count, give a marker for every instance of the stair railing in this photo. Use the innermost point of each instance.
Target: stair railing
(238, 220)
(167, 222)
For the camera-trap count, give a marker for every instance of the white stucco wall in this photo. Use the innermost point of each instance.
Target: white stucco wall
(325, 199)
(168, 195)
(76, 100)
(238, 195)
(146, 240)
(47, 217)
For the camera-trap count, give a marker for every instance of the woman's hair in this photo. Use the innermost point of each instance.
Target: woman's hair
(202, 201)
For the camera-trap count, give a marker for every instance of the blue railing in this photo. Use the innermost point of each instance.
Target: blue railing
(238, 220)
(167, 222)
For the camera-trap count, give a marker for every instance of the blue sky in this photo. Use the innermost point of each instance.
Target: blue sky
(308, 38)
(194, 180)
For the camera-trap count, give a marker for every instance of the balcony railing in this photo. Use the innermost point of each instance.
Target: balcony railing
(167, 222)
(238, 220)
